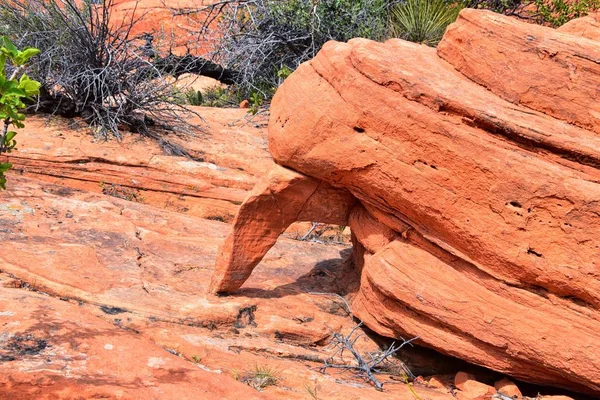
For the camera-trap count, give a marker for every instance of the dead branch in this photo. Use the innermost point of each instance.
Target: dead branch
(363, 367)
(91, 67)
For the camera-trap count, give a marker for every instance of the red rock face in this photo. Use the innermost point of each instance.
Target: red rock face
(105, 295)
(174, 23)
(482, 160)
(498, 53)
(588, 26)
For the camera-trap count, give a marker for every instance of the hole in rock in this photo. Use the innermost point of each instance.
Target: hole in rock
(113, 310)
(359, 129)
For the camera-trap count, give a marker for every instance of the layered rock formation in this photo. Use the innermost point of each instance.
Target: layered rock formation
(475, 173)
(107, 253)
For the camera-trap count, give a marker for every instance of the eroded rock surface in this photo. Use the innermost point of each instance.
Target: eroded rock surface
(107, 254)
(476, 170)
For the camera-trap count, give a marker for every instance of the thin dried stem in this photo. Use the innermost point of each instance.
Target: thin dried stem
(366, 368)
(91, 67)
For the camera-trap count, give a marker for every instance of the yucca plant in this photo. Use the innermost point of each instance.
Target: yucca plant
(194, 97)
(423, 21)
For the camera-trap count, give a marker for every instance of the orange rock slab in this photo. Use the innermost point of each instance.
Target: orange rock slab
(492, 197)
(541, 68)
(51, 349)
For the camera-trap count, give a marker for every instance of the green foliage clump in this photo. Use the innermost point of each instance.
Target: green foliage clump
(194, 97)
(544, 12)
(423, 21)
(15, 89)
(218, 96)
(508, 7)
(333, 19)
(558, 12)
(256, 102)
(259, 378)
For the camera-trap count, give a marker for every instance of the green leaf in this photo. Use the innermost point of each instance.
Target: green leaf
(5, 167)
(31, 52)
(8, 45)
(9, 136)
(2, 66)
(29, 86)
(14, 92)
(26, 54)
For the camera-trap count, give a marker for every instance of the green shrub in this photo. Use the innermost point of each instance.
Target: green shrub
(91, 67)
(259, 378)
(194, 97)
(508, 7)
(218, 96)
(256, 102)
(423, 21)
(544, 12)
(15, 89)
(558, 12)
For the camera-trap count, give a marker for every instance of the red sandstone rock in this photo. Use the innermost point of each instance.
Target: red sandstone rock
(461, 378)
(233, 157)
(470, 389)
(173, 23)
(135, 276)
(141, 270)
(275, 203)
(438, 383)
(587, 27)
(493, 204)
(530, 65)
(198, 83)
(51, 349)
(508, 388)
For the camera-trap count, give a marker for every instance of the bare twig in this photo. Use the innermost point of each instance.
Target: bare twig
(310, 231)
(91, 67)
(258, 120)
(363, 367)
(258, 38)
(348, 309)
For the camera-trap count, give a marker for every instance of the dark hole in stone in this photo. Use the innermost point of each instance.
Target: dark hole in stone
(359, 129)
(113, 310)
(532, 251)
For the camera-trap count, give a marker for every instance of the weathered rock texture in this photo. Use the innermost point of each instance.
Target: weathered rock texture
(476, 170)
(588, 26)
(102, 297)
(283, 198)
(173, 23)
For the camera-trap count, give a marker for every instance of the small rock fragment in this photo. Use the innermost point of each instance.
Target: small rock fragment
(437, 382)
(508, 388)
(470, 389)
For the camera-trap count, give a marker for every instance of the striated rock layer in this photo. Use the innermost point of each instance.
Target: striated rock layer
(103, 295)
(475, 169)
